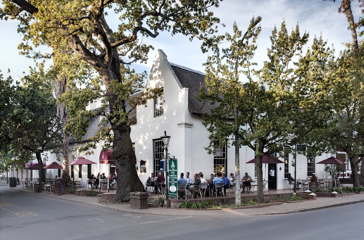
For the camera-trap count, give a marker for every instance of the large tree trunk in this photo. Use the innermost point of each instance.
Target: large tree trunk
(346, 6)
(260, 190)
(41, 170)
(354, 173)
(123, 154)
(362, 171)
(60, 87)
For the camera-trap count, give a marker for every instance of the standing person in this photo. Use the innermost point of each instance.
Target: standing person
(313, 181)
(96, 184)
(226, 182)
(272, 177)
(159, 183)
(181, 190)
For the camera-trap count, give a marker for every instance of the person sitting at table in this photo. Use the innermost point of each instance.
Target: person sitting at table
(189, 179)
(291, 179)
(232, 178)
(226, 183)
(90, 182)
(217, 180)
(150, 181)
(159, 183)
(181, 190)
(246, 182)
(111, 176)
(103, 176)
(313, 180)
(196, 185)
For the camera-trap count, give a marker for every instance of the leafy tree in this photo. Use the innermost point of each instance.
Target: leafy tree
(225, 89)
(29, 123)
(276, 110)
(78, 32)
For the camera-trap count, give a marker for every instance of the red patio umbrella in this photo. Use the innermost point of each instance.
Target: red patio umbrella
(53, 165)
(81, 161)
(266, 159)
(331, 160)
(33, 166)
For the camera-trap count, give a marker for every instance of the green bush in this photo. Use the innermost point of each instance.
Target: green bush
(197, 205)
(91, 193)
(71, 190)
(358, 189)
(251, 202)
(158, 202)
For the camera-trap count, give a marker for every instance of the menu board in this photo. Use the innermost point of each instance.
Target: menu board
(173, 178)
(59, 186)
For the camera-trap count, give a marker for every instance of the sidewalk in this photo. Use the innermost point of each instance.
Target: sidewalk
(284, 208)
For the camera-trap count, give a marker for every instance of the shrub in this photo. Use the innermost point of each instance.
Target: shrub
(71, 190)
(197, 205)
(358, 189)
(158, 202)
(91, 193)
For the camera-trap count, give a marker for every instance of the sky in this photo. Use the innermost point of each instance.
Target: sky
(318, 18)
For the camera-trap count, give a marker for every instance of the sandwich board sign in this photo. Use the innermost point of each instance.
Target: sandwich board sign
(173, 178)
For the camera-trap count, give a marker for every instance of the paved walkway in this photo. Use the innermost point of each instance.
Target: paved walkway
(284, 208)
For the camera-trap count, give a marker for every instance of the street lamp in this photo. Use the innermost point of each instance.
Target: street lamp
(165, 140)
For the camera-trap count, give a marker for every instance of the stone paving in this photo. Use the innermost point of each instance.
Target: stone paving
(285, 208)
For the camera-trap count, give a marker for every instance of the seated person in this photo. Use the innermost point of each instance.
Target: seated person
(291, 179)
(91, 180)
(218, 179)
(313, 180)
(181, 190)
(232, 178)
(246, 182)
(150, 181)
(196, 185)
(226, 183)
(159, 183)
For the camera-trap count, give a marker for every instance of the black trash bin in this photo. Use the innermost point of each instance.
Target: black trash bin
(12, 182)
(36, 187)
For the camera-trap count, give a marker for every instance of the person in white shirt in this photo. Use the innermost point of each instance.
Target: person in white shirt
(272, 178)
(203, 181)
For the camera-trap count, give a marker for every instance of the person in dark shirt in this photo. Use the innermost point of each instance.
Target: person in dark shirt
(226, 183)
(160, 182)
(291, 179)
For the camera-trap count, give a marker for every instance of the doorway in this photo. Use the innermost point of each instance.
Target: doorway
(272, 176)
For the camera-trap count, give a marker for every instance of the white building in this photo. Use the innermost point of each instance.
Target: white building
(180, 115)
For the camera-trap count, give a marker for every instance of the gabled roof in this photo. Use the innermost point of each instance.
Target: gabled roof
(192, 80)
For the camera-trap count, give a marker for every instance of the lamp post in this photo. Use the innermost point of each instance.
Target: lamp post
(165, 140)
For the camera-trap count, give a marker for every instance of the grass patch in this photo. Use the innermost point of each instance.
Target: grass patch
(290, 198)
(211, 205)
(91, 193)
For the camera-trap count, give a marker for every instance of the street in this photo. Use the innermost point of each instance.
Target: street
(36, 216)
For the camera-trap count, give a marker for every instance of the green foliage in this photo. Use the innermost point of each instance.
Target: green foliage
(159, 201)
(71, 190)
(29, 124)
(197, 205)
(290, 198)
(91, 193)
(250, 202)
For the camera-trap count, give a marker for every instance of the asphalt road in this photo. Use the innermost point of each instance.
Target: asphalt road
(31, 216)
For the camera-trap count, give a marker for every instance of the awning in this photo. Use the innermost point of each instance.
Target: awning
(33, 166)
(267, 159)
(106, 157)
(81, 161)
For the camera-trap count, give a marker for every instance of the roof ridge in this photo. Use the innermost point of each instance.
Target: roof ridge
(188, 69)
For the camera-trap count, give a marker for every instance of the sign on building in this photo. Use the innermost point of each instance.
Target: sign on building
(173, 178)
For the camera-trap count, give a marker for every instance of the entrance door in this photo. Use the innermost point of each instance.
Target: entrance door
(272, 176)
(112, 169)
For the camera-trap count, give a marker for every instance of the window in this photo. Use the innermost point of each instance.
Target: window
(80, 171)
(310, 165)
(286, 166)
(158, 155)
(158, 106)
(88, 170)
(220, 158)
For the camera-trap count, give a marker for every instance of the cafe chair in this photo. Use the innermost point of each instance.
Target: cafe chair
(219, 187)
(182, 188)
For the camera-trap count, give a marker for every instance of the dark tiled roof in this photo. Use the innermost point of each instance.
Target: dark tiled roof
(192, 80)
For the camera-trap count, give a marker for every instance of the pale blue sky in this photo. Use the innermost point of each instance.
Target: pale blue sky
(314, 16)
